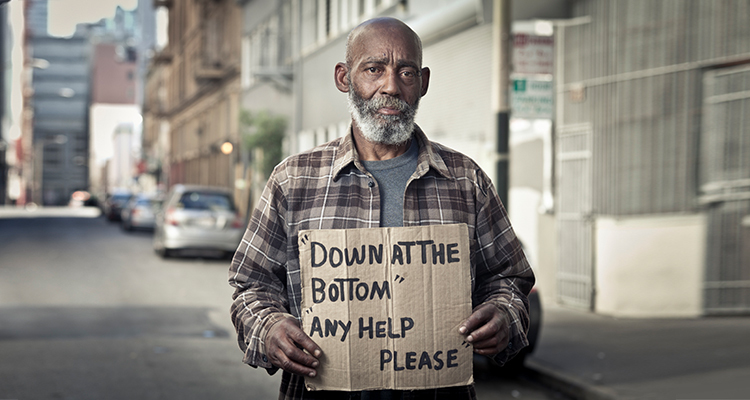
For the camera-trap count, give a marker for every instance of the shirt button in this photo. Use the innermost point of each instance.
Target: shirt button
(265, 359)
(371, 184)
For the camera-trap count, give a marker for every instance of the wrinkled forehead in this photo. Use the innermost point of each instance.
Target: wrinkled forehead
(384, 39)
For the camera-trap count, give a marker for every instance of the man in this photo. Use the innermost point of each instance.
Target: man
(384, 173)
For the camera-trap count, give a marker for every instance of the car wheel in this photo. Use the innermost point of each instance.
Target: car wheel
(164, 252)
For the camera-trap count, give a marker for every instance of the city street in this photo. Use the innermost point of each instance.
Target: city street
(89, 311)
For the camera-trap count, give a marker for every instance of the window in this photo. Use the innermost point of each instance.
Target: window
(267, 47)
(206, 201)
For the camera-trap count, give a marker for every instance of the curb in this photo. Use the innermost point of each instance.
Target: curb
(572, 387)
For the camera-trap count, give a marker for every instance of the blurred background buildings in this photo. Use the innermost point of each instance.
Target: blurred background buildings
(617, 134)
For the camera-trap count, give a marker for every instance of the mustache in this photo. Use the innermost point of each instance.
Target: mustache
(386, 101)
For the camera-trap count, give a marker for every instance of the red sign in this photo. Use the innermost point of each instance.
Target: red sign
(533, 54)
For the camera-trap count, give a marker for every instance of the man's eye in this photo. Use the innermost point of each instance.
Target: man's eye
(372, 70)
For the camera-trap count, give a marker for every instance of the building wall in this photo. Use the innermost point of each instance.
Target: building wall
(267, 80)
(632, 90)
(201, 75)
(322, 104)
(60, 130)
(320, 109)
(6, 44)
(156, 143)
(456, 111)
(121, 165)
(114, 76)
(650, 266)
(36, 16)
(639, 66)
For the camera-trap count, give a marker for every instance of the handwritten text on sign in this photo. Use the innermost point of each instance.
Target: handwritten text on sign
(385, 304)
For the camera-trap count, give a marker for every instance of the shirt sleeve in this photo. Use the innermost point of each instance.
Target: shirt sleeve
(503, 275)
(258, 274)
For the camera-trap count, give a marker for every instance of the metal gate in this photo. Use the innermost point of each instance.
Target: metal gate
(575, 275)
(725, 189)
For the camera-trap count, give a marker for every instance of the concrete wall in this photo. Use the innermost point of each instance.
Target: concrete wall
(650, 266)
(322, 104)
(456, 111)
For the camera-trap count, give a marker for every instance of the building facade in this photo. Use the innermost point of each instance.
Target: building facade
(69, 79)
(193, 92)
(61, 88)
(5, 114)
(652, 157)
(269, 32)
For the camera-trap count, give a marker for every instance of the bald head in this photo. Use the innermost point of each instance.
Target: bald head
(384, 78)
(384, 27)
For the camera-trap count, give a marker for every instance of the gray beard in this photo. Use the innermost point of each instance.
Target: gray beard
(383, 129)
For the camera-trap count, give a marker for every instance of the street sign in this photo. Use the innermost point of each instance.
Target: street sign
(533, 54)
(531, 97)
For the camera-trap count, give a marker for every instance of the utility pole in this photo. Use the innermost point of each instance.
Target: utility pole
(501, 53)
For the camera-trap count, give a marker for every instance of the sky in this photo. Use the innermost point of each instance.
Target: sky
(63, 15)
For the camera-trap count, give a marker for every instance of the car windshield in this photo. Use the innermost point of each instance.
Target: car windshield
(146, 202)
(206, 201)
(121, 198)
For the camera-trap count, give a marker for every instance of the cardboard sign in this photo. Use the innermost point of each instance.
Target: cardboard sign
(385, 305)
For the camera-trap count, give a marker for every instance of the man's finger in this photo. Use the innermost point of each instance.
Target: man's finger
(491, 345)
(487, 331)
(294, 353)
(299, 337)
(477, 319)
(281, 360)
(286, 342)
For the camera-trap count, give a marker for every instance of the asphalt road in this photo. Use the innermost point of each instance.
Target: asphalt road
(88, 311)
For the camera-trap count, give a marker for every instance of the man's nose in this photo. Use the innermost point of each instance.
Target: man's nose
(391, 84)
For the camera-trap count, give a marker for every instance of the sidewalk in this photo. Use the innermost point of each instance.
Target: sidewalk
(590, 356)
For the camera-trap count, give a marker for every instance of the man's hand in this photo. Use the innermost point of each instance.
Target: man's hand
(487, 329)
(285, 343)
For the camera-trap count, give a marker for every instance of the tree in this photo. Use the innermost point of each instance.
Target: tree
(265, 131)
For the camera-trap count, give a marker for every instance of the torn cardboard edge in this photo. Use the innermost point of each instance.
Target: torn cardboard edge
(385, 304)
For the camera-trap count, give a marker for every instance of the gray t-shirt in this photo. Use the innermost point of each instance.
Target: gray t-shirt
(392, 176)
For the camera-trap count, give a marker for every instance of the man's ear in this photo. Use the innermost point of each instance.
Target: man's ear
(340, 77)
(425, 80)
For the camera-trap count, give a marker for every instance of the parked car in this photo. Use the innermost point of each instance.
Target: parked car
(198, 218)
(140, 212)
(114, 203)
(82, 198)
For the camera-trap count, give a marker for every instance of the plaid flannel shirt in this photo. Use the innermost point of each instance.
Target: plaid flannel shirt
(328, 188)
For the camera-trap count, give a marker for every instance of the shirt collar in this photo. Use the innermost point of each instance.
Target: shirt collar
(346, 154)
